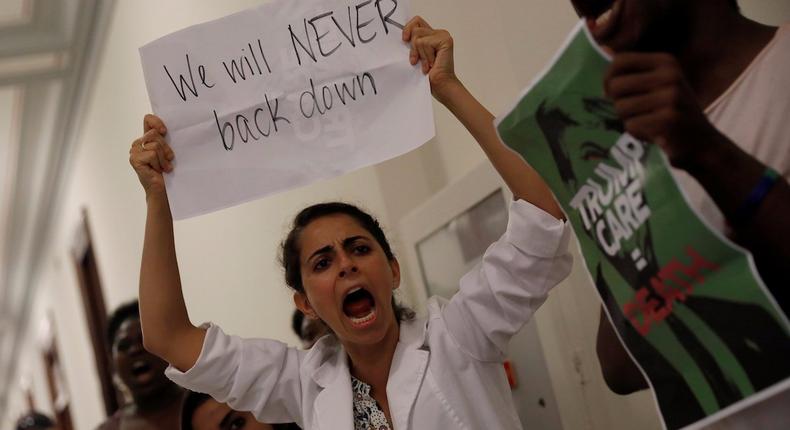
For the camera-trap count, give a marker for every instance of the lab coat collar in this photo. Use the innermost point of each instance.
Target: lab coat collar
(334, 407)
(407, 372)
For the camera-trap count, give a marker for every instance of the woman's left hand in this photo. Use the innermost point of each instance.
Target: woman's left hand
(434, 50)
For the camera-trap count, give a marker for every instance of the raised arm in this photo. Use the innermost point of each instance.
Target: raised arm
(167, 331)
(434, 50)
(500, 295)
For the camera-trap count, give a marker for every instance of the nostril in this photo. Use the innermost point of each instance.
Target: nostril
(354, 269)
(342, 273)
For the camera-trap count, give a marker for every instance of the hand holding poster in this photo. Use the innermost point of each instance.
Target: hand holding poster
(283, 95)
(687, 303)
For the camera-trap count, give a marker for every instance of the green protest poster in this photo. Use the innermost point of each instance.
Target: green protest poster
(686, 302)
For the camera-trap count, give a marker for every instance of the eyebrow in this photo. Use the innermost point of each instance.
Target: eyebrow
(346, 242)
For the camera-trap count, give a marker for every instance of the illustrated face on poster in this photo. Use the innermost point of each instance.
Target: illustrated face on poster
(579, 130)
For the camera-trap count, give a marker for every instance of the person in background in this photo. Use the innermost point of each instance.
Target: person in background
(201, 412)
(35, 421)
(155, 401)
(712, 88)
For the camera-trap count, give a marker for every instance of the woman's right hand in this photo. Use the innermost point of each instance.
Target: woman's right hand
(151, 156)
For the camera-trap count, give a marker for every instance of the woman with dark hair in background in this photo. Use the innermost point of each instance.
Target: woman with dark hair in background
(201, 412)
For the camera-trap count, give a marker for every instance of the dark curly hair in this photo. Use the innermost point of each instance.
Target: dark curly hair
(34, 421)
(289, 249)
(118, 316)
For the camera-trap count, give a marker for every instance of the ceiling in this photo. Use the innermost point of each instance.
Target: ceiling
(48, 53)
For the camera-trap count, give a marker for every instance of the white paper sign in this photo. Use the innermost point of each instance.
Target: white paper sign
(283, 95)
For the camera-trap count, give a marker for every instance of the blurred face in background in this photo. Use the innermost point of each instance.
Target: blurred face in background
(212, 415)
(142, 372)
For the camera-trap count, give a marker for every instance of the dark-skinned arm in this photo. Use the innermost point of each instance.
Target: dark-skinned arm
(619, 371)
(656, 104)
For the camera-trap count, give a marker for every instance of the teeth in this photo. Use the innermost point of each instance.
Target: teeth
(364, 319)
(604, 18)
(353, 291)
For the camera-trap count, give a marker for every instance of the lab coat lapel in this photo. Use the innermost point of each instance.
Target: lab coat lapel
(333, 405)
(407, 372)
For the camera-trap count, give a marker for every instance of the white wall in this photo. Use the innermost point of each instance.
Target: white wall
(30, 373)
(771, 12)
(228, 258)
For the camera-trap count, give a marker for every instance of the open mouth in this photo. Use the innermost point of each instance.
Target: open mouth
(601, 15)
(142, 370)
(591, 8)
(360, 307)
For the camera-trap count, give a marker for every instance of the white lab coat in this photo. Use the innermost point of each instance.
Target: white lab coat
(447, 370)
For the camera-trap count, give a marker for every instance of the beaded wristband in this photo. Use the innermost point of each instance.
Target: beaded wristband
(756, 197)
